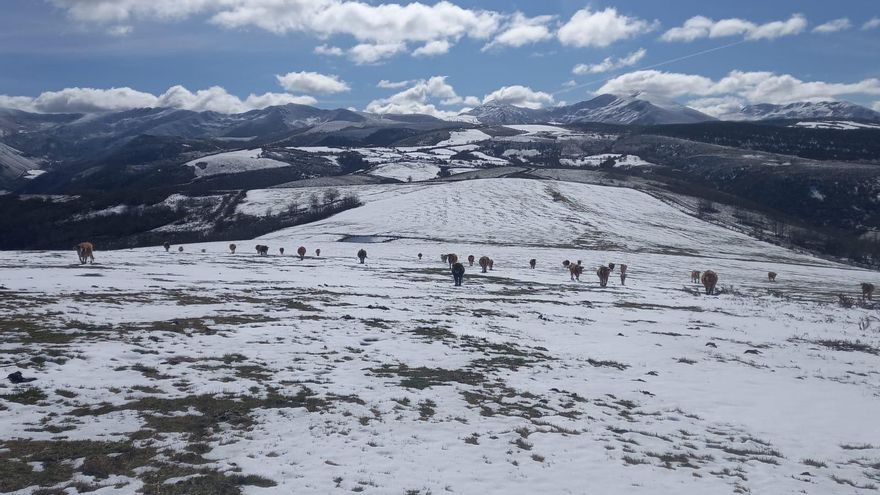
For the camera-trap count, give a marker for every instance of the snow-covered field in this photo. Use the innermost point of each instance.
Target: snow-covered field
(233, 162)
(205, 372)
(837, 124)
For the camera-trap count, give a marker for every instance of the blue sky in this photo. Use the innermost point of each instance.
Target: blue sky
(516, 52)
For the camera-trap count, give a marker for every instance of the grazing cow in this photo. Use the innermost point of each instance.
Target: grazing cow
(362, 255)
(484, 263)
(695, 276)
(318, 253)
(301, 251)
(867, 291)
(444, 257)
(771, 276)
(262, 250)
(452, 259)
(85, 251)
(710, 280)
(180, 249)
(575, 271)
(491, 264)
(457, 273)
(420, 256)
(281, 250)
(471, 260)
(623, 274)
(232, 248)
(532, 263)
(603, 272)
(566, 263)
(167, 246)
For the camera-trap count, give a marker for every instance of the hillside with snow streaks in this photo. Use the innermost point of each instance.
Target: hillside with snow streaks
(202, 370)
(233, 162)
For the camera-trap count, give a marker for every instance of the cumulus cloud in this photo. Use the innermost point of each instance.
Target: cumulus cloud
(91, 100)
(521, 30)
(520, 96)
(873, 23)
(121, 30)
(386, 84)
(742, 87)
(610, 63)
(834, 26)
(312, 83)
(369, 53)
(431, 48)
(329, 50)
(423, 96)
(704, 27)
(601, 28)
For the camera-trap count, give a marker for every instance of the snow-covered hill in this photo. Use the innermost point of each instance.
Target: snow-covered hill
(808, 110)
(202, 371)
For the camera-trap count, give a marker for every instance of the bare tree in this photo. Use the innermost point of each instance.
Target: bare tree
(331, 195)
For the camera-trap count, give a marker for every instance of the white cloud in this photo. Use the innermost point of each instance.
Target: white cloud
(431, 48)
(520, 96)
(121, 30)
(704, 27)
(91, 100)
(367, 53)
(874, 22)
(521, 30)
(386, 84)
(747, 87)
(876, 106)
(602, 28)
(610, 63)
(423, 96)
(722, 107)
(833, 26)
(312, 83)
(329, 50)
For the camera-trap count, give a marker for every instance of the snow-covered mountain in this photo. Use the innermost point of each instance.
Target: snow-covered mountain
(608, 109)
(808, 110)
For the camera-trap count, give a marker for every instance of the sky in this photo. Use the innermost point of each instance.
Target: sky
(436, 58)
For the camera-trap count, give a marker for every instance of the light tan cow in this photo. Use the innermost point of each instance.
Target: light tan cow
(85, 251)
(484, 263)
(710, 280)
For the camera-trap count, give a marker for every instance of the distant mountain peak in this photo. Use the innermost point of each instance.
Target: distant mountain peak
(830, 109)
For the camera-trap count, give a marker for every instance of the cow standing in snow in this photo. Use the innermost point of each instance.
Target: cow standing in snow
(710, 280)
(695, 276)
(603, 272)
(232, 248)
(85, 251)
(362, 255)
(867, 291)
(484, 263)
(301, 252)
(457, 273)
(623, 274)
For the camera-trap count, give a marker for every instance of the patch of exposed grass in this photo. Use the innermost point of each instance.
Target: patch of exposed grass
(423, 377)
(27, 396)
(607, 364)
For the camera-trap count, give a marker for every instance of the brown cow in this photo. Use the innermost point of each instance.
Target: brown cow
(867, 291)
(623, 274)
(532, 263)
(603, 272)
(262, 250)
(471, 260)
(566, 263)
(232, 248)
(484, 263)
(301, 251)
(281, 250)
(318, 253)
(491, 264)
(85, 251)
(362, 255)
(452, 259)
(575, 271)
(695, 276)
(710, 280)
(167, 246)
(771, 276)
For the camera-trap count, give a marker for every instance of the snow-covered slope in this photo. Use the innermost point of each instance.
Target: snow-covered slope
(13, 165)
(233, 162)
(329, 376)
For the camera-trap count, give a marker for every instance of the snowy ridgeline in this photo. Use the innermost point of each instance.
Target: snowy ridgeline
(325, 375)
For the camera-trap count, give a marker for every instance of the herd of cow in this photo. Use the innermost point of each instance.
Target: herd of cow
(709, 279)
